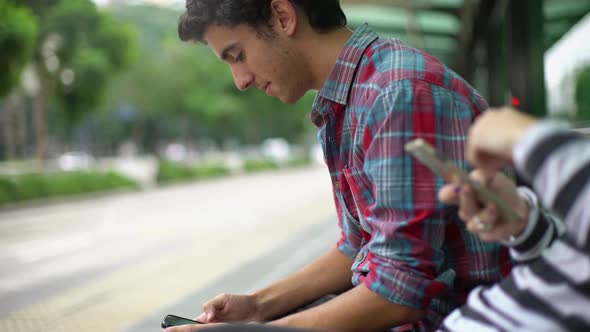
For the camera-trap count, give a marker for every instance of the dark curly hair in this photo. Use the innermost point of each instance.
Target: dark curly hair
(323, 15)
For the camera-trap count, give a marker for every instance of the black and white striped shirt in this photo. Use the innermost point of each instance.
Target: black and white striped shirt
(551, 292)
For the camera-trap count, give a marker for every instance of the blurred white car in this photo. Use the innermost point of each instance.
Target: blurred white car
(276, 149)
(316, 154)
(75, 160)
(175, 152)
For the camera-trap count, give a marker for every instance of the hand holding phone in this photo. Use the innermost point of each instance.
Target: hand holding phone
(172, 320)
(447, 169)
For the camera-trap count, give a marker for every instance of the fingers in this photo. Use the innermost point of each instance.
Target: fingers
(482, 176)
(183, 328)
(484, 221)
(486, 161)
(468, 205)
(480, 220)
(485, 145)
(462, 195)
(493, 136)
(211, 308)
(449, 194)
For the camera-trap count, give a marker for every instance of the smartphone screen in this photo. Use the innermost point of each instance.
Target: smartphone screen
(172, 320)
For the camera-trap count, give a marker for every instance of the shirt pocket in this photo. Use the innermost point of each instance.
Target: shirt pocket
(345, 209)
(350, 225)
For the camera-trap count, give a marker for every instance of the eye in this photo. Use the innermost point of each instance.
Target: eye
(240, 57)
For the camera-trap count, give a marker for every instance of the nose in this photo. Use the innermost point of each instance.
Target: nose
(243, 78)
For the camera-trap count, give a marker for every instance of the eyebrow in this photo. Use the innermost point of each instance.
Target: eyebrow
(227, 49)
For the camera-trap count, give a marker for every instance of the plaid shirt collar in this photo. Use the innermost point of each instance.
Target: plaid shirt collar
(339, 82)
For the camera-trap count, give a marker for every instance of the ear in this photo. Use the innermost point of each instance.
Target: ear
(284, 16)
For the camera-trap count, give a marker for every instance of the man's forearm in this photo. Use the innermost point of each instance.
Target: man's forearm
(359, 309)
(329, 274)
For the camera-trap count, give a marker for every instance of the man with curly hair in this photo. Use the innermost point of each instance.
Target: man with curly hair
(403, 260)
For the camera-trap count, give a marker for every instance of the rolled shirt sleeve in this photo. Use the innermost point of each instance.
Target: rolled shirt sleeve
(406, 251)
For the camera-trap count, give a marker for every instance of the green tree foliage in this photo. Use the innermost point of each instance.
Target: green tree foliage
(39, 7)
(92, 47)
(582, 94)
(117, 41)
(18, 33)
(158, 89)
(190, 93)
(91, 69)
(74, 48)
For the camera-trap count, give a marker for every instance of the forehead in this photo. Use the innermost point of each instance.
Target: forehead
(219, 37)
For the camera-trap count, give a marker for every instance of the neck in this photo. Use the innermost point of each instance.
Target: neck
(322, 53)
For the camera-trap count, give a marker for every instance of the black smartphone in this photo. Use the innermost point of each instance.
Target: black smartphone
(171, 320)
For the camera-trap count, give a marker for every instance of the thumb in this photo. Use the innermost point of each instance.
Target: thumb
(202, 318)
(210, 315)
(484, 176)
(214, 306)
(449, 194)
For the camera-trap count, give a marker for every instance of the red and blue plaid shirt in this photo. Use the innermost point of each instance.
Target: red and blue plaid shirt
(407, 247)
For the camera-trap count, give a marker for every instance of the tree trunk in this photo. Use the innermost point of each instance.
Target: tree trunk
(21, 127)
(8, 126)
(40, 124)
(138, 135)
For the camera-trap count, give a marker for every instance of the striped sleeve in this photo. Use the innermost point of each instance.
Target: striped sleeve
(541, 230)
(557, 162)
(550, 293)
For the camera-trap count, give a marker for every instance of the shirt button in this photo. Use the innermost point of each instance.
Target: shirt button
(337, 185)
(359, 257)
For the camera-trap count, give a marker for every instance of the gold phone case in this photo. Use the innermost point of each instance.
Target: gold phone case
(447, 169)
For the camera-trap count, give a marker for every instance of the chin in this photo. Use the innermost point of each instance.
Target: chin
(291, 99)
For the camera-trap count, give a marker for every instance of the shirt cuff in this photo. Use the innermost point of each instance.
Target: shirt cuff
(406, 287)
(538, 232)
(533, 204)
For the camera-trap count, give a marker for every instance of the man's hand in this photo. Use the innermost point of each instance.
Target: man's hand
(191, 328)
(231, 308)
(494, 135)
(485, 220)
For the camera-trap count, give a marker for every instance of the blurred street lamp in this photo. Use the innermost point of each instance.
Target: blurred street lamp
(49, 49)
(67, 77)
(30, 81)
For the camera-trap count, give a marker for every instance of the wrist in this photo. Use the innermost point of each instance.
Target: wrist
(282, 322)
(262, 302)
(529, 214)
(523, 211)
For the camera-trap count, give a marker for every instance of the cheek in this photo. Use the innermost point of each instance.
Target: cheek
(289, 73)
(285, 71)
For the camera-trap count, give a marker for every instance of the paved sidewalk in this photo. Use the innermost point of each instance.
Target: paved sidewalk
(107, 263)
(252, 275)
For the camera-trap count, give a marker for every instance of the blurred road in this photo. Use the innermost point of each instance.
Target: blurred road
(120, 263)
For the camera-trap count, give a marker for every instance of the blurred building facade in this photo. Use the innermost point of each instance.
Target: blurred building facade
(563, 62)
